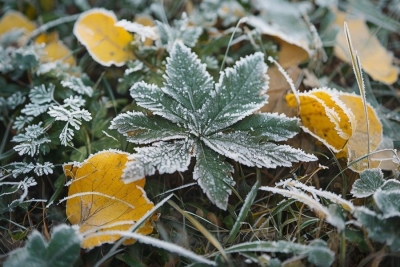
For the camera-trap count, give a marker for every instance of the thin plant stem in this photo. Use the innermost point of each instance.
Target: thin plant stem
(52, 24)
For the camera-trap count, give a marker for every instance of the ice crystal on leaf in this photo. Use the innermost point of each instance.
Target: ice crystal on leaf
(195, 117)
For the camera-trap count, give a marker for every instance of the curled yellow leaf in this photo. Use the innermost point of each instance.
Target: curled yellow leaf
(337, 120)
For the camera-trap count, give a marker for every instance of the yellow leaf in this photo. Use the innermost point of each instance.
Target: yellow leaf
(375, 59)
(337, 120)
(105, 42)
(15, 20)
(357, 145)
(45, 38)
(324, 117)
(98, 199)
(54, 49)
(290, 54)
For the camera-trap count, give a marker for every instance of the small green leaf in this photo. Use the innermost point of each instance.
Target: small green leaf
(141, 129)
(213, 175)
(388, 202)
(381, 228)
(62, 250)
(390, 185)
(370, 180)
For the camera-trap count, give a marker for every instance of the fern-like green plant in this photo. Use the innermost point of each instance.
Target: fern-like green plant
(195, 117)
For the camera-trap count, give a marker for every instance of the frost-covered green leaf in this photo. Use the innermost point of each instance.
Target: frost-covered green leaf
(214, 120)
(73, 117)
(317, 252)
(390, 185)
(31, 141)
(381, 228)
(66, 135)
(214, 175)
(15, 100)
(18, 168)
(62, 250)
(72, 114)
(141, 129)
(388, 202)
(35, 110)
(162, 156)
(271, 126)
(76, 84)
(248, 150)
(370, 180)
(41, 95)
(151, 97)
(181, 30)
(44, 169)
(192, 92)
(21, 121)
(239, 92)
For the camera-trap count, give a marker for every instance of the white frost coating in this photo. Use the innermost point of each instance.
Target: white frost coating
(186, 79)
(92, 230)
(162, 156)
(287, 78)
(317, 207)
(240, 91)
(388, 201)
(143, 31)
(171, 247)
(61, 227)
(347, 205)
(243, 148)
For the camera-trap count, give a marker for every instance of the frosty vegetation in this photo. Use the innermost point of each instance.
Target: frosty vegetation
(194, 117)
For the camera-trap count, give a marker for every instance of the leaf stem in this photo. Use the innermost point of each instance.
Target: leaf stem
(52, 24)
(244, 19)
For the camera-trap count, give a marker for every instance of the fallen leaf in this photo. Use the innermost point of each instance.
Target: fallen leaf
(337, 120)
(375, 59)
(98, 199)
(105, 42)
(54, 49)
(15, 20)
(290, 54)
(357, 145)
(324, 117)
